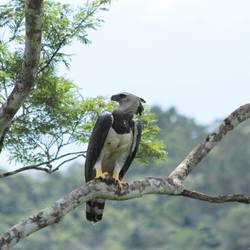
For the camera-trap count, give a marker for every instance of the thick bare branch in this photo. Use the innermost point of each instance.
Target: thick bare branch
(80, 195)
(199, 152)
(23, 87)
(171, 185)
(99, 189)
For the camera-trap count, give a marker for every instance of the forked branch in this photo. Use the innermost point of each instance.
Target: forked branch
(199, 152)
(171, 185)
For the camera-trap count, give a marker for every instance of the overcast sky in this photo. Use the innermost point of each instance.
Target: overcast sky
(192, 54)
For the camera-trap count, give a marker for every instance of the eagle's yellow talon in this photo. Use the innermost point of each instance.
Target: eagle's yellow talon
(118, 182)
(121, 184)
(101, 175)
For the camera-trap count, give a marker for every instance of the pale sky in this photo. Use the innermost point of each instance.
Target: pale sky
(192, 54)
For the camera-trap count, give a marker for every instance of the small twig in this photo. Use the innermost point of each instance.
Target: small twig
(68, 160)
(6, 174)
(68, 35)
(15, 31)
(51, 58)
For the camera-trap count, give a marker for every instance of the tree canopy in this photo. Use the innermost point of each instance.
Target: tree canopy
(43, 114)
(55, 115)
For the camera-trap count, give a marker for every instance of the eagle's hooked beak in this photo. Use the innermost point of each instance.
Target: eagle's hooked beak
(118, 97)
(115, 98)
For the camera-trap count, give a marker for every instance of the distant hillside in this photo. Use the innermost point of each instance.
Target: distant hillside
(153, 222)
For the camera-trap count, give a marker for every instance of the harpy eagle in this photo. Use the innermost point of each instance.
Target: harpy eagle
(112, 146)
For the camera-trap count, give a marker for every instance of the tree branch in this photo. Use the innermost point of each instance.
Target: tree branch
(99, 189)
(22, 169)
(23, 87)
(93, 189)
(47, 163)
(199, 152)
(216, 199)
(63, 39)
(171, 185)
(66, 161)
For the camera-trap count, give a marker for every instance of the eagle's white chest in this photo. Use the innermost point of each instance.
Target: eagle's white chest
(118, 142)
(115, 151)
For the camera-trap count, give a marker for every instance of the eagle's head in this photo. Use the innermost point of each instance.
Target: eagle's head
(129, 103)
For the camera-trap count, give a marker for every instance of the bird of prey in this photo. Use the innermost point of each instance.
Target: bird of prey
(112, 147)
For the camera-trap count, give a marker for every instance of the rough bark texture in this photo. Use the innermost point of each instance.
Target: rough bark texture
(199, 152)
(79, 196)
(171, 185)
(216, 199)
(23, 87)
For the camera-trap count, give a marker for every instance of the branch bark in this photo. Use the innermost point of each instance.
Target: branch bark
(23, 87)
(93, 189)
(171, 185)
(199, 152)
(216, 199)
(99, 189)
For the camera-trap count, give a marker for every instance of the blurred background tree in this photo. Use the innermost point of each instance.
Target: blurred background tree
(154, 222)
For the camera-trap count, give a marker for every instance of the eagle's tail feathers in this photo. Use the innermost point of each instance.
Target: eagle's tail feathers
(94, 210)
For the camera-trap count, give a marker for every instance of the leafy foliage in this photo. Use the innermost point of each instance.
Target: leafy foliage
(55, 116)
(149, 146)
(62, 24)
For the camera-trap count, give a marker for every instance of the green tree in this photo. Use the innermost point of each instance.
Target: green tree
(43, 113)
(155, 222)
(55, 115)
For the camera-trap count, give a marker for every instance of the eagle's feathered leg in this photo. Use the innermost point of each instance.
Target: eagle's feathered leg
(99, 174)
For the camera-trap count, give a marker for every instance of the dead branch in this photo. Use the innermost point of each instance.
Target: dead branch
(99, 189)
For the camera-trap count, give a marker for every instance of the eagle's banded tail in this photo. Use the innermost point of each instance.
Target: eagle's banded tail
(94, 210)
